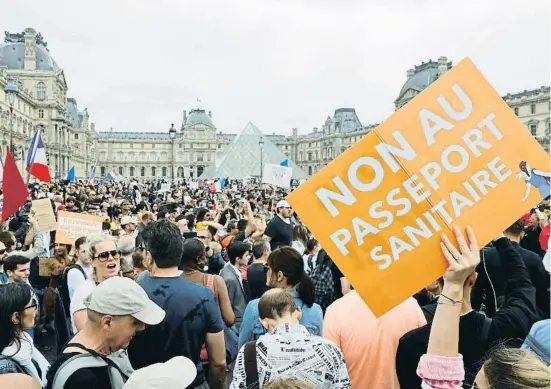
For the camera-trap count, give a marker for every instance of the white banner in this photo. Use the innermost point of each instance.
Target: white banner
(277, 175)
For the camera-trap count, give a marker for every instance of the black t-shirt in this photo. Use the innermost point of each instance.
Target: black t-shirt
(281, 233)
(240, 237)
(256, 277)
(86, 378)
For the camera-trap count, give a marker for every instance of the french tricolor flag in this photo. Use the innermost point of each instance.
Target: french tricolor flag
(113, 175)
(37, 164)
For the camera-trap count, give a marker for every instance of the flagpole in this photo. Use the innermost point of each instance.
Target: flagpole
(33, 154)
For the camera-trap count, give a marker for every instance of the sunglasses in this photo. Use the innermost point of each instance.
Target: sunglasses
(33, 305)
(105, 255)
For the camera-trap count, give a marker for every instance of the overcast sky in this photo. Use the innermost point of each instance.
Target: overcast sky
(137, 64)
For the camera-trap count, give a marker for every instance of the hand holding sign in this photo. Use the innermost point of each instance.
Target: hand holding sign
(445, 159)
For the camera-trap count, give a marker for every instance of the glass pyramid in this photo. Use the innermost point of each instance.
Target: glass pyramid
(242, 157)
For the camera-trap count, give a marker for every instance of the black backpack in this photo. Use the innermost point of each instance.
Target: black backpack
(63, 288)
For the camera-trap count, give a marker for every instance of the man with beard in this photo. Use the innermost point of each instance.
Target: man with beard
(279, 231)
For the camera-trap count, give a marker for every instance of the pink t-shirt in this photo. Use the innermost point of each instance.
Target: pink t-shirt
(369, 344)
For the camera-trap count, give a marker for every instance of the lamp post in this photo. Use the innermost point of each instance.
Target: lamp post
(172, 134)
(11, 92)
(261, 145)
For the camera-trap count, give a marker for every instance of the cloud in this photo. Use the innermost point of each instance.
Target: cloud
(136, 64)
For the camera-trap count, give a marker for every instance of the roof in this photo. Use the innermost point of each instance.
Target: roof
(528, 93)
(347, 119)
(198, 116)
(12, 55)
(423, 75)
(112, 135)
(75, 117)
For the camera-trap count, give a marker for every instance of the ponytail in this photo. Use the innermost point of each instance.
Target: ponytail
(306, 290)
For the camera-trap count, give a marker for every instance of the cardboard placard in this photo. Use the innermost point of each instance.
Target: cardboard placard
(45, 266)
(71, 226)
(277, 175)
(455, 155)
(44, 215)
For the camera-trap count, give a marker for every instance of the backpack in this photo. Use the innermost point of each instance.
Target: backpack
(63, 287)
(323, 281)
(84, 361)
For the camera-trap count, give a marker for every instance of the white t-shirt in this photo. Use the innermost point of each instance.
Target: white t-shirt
(77, 302)
(75, 278)
(297, 245)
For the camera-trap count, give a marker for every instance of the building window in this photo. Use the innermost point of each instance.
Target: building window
(180, 145)
(76, 136)
(548, 128)
(102, 171)
(131, 145)
(208, 157)
(309, 157)
(534, 129)
(152, 145)
(309, 170)
(143, 146)
(121, 170)
(41, 91)
(41, 114)
(164, 171)
(142, 172)
(131, 171)
(200, 156)
(533, 108)
(516, 111)
(153, 171)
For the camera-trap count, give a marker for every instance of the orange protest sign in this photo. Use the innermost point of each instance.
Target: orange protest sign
(456, 155)
(71, 226)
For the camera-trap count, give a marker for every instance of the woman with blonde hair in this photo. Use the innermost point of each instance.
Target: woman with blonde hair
(442, 366)
(105, 258)
(300, 239)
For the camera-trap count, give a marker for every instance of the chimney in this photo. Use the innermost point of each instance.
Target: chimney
(410, 73)
(210, 114)
(315, 130)
(30, 49)
(295, 131)
(442, 65)
(184, 117)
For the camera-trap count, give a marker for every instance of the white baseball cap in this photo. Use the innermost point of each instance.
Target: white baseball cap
(176, 373)
(127, 220)
(121, 296)
(283, 204)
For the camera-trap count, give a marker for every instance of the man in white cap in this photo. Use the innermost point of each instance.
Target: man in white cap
(128, 224)
(279, 231)
(117, 309)
(176, 373)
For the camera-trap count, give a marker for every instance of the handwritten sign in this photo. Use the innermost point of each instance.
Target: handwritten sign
(456, 155)
(44, 215)
(71, 226)
(277, 175)
(46, 266)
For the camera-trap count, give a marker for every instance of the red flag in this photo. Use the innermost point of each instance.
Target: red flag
(14, 188)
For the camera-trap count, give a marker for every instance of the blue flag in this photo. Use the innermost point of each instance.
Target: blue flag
(70, 176)
(285, 163)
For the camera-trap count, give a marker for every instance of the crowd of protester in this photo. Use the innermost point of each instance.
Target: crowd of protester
(193, 288)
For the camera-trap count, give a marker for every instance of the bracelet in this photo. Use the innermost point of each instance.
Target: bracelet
(450, 300)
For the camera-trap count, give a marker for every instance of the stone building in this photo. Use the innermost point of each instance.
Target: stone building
(39, 101)
(180, 151)
(177, 154)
